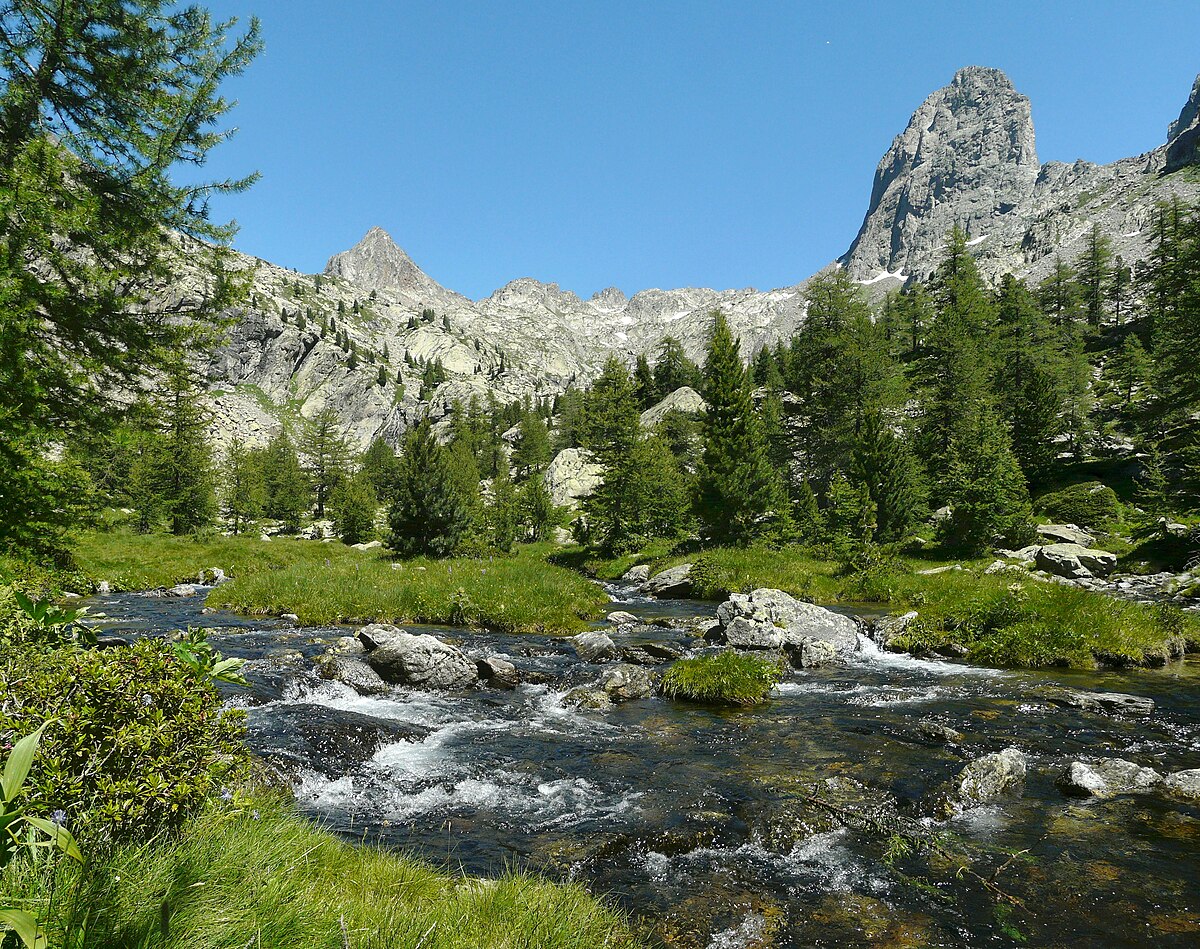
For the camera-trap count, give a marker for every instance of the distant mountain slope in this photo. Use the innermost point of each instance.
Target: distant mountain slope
(967, 156)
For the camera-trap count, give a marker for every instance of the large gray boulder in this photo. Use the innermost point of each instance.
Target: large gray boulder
(594, 646)
(623, 682)
(1065, 534)
(772, 619)
(573, 476)
(421, 661)
(1075, 562)
(1106, 777)
(982, 781)
(351, 671)
(1184, 784)
(674, 582)
(684, 399)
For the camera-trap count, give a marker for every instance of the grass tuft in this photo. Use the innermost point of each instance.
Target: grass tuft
(724, 678)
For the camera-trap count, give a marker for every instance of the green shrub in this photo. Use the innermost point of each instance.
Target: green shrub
(1090, 504)
(708, 580)
(725, 678)
(139, 740)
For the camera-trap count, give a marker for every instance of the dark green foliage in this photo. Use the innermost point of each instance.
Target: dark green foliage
(643, 496)
(99, 106)
(1090, 504)
(1129, 368)
(326, 455)
(985, 489)
(288, 495)
(849, 515)
(433, 375)
(885, 465)
(643, 383)
(354, 506)
(531, 452)
(611, 421)
(139, 741)
(536, 511)
(740, 497)
(673, 369)
(243, 489)
(1095, 275)
(379, 465)
(502, 514)
(428, 515)
(1060, 294)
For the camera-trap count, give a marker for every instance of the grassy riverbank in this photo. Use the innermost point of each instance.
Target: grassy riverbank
(521, 593)
(1003, 619)
(253, 873)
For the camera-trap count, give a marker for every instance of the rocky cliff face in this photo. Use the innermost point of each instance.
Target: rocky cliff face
(967, 157)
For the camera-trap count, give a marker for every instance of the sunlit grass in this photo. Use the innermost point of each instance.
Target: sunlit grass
(258, 875)
(724, 678)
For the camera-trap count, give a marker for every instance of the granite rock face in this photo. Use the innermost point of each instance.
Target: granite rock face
(966, 157)
(1183, 137)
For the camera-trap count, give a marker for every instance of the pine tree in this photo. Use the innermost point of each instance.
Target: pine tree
(673, 369)
(355, 505)
(611, 422)
(380, 465)
(502, 512)
(536, 509)
(327, 456)
(1060, 294)
(243, 492)
(986, 490)
(186, 477)
(643, 383)
(643, 496)
(1128, 368)
(531, 452)
(1095, 274)
(740, 496)
(428, 516)
(288, 495)
(886, 467)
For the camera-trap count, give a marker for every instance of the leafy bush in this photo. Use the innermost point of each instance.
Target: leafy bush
(726, 678)
(140, 738)
(708, 580)
(1090, 504)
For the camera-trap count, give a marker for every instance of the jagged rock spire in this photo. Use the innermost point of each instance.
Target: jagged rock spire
(377, 263)
(1183, 137)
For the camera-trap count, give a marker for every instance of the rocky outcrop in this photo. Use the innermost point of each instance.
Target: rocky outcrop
(1106, 777)
(572, 476)
(772, 619)
(420, 661)
(1183, 137)
(981, 782)
(966, 158)
(594, 646)
(1065, 534)
(671, 583)
(1075, 562)
(685, 399)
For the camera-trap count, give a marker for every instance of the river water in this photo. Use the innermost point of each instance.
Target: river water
(699, 821)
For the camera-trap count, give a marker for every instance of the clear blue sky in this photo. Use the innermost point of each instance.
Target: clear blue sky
(651, 144)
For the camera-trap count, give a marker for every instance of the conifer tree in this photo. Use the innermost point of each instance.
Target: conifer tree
(643, 496)
(611, 422)
(354, 506)
(886, 467)
(1060, 294)
(643, 383)
(186, 476)
(740, 497)
(673, 369)
(531, 452)
(379, 465)
(1128, 368)
(327, 456)
(985, 488)
(243, 492)
(1095, 275)
(428, 516)
(849, 515)
(536, 509)
(502, 512)
(288, 495)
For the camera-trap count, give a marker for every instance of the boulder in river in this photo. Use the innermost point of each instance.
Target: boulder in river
(1106, 777)
(624, 682)
(884, 630)
(772, 619)
(1183, 784)
(594, 646)
(498, 673)
(673, 582)
(351, 671)
(638, 574)
(1075, 562)
(422, 661)
(1109, 703)
(621, 618)
(982, 781)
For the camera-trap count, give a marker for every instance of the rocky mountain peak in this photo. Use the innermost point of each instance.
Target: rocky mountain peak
(610, 298)
(966, 157)
(378, 263)
(1183, 137)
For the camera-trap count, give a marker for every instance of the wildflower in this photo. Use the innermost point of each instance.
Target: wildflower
(254, 815)
(147, 700)
(227, 795)
(59, 817)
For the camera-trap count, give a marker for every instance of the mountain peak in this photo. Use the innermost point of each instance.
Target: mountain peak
(378, 263)
(966, 156)
(1183, 137)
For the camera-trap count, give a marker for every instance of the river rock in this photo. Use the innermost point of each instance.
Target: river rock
(356, 673)
(1075, 562)
(588, 697)
(498, 673)
(1106, 777)
(1183, 784)
(181, 589)
(1118, 703)
(422, 661)
(884, 630)
(594, 646)
(937, 732)
(289, 617)
(638, 574)
(983, 780)
(621, 618)
(624, 682)
(674, 582)
(211, 577)
(772, 619)
(1065, 534)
